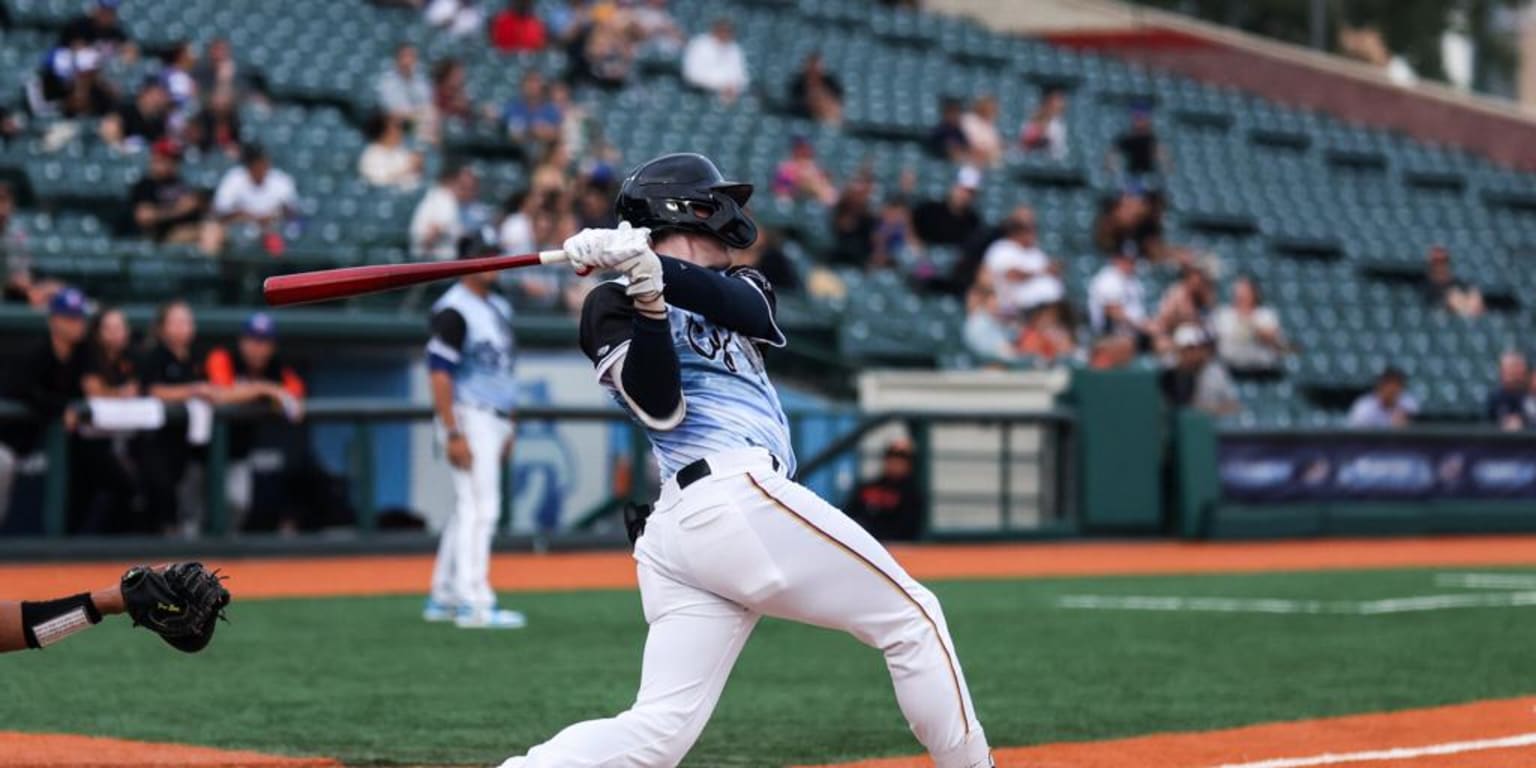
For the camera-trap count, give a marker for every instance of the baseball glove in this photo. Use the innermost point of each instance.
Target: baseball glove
(182, 604)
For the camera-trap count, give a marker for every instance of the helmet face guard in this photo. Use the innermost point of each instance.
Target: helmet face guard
(685, 192)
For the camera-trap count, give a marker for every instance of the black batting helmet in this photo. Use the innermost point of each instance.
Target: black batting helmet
(686, 192)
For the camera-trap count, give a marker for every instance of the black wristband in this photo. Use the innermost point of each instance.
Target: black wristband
(35, 615)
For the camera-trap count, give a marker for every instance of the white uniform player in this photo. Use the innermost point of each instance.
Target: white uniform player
(471, 358)
(732, 537)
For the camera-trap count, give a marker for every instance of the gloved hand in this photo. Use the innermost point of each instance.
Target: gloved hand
(645, 284)
(605, 249)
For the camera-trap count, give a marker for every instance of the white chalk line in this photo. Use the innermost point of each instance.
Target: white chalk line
(1399, 753)
(1411, 604)
(1487, 580)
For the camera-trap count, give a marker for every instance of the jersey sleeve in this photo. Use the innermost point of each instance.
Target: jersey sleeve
(445, 348)
(607, 324)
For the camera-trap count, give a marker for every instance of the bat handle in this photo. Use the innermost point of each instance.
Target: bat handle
(552, 257)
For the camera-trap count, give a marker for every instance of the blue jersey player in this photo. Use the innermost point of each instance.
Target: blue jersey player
(733, 537)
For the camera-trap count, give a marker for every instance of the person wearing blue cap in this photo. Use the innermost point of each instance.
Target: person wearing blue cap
(46, 380)
(255, 373)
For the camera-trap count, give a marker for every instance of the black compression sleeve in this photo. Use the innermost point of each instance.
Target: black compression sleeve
(730, 299)
(652, 379)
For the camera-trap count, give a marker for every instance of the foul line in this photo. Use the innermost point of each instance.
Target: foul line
(1487, 580)
(1412, 604)
(1400, 753)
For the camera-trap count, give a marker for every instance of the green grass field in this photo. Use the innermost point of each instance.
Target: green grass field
(365, 681)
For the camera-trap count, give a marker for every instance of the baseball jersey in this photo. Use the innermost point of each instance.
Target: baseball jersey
(728, 401)
(472, 340)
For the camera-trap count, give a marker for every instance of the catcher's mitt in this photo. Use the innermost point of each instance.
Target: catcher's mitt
(182, 604)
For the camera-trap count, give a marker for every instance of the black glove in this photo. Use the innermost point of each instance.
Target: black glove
(181, 604)
(634, 520)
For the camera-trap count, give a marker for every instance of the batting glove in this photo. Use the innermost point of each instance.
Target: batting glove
(645, 284)
(606, 249)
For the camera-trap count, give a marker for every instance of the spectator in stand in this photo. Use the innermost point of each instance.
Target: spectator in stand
(216, 129)
(1248, 334)
(405, 93)
(1197, 379)
(140, 123)
(16, 255)
(715, 62)
(653, 27)
(574, 131)
(517, 29)
(45, 380)
(816, 93)
(569, 22)
(608, 55)
(1509, 405)
(1138, 156)
(946, 140)
(1444, 290)
(438, 221)
(1116, 302)
(387, 161)
(979, 125)
(800, 177)
(987, 335)
(953, 220)
(461, 18)
(180, 85)
(171, 373)
(165, 207)
(532, 117)
(1387, 405)
(256, 373)
(100, 29)
(1190, 301)
(1112, 352)
(218, 72)
(107, 371)
(1023, 276)
(896, 243)
(1047, 335)
(890, 506)
(853, 225)
(449, 97)
(255, 198)
(1132, 222)
(1046, 129)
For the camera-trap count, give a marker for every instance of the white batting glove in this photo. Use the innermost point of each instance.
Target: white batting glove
(606, 249)
(645, 284)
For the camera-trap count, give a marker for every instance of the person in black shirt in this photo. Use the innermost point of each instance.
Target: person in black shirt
(816, 93)
(142, 122)
(171, 373)
(1509, 405)
(104, 505)
(890, 506)
(1444, 290)
(953, 220)
(165, 207)
(99, 28)
(1140, 155)
(947, 141)
(853, 224)
(45, 380)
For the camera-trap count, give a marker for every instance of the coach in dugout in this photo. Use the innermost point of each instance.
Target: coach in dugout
(471, 360)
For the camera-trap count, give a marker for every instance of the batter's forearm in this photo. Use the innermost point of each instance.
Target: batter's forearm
(727, 301)
(650, 376)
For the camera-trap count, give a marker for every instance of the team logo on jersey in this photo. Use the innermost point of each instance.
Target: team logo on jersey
(715, 343)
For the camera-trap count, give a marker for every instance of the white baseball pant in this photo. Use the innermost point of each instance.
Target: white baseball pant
(461, 576)
(746, 542)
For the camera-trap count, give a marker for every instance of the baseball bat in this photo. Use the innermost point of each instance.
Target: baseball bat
(340, 283)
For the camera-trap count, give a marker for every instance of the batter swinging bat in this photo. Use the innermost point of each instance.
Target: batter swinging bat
(328, 284)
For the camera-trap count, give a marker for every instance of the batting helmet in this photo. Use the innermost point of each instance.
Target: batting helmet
(686, 192)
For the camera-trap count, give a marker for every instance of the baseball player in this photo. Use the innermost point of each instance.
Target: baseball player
(182, 603)
(732, 537)
(470, 360)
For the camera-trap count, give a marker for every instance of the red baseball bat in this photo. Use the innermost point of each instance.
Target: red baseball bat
(328, 284)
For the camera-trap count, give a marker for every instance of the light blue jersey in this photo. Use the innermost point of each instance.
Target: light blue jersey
(728, 400)
(472, 340)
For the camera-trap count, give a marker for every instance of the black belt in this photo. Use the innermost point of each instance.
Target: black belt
(699, 470)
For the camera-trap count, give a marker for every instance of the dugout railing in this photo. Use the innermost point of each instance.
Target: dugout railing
(843, 447)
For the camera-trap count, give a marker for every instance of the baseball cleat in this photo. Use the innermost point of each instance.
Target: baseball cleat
(489, 618)
(437, 612)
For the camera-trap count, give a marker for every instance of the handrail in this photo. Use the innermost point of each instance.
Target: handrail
(1427, 431)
